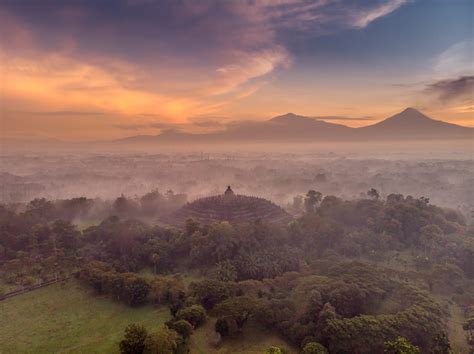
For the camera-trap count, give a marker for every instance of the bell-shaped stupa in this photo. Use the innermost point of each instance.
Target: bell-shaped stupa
(229, 207)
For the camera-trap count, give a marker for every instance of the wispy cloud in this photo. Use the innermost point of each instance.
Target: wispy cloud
(61, 113)
(229, 42)
(457, 60)
(365, 18)
(171, 58)
(133, 127)
(461, 88)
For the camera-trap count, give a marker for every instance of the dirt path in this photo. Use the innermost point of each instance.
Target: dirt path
(27, 289)
(457, 335)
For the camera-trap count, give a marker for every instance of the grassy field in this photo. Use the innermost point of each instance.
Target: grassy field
(68, 318)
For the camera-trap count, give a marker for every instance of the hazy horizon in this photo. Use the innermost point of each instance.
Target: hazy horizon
(237, 176)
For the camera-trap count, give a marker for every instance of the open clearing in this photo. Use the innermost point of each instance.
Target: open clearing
(69, 318)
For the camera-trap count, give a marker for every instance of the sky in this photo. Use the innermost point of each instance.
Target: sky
(104, 69)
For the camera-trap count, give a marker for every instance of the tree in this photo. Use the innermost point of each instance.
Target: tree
(297, 204)
(469, 324)
(135, 290)
(210, 292)
(124, 207)
(327, 313)
(182, 327)
(222, 326)
(274, 350)
(314, 348)
(237, 309)
(424, 200)
(311, 200)
(441, 344)
(373, 193)
(155, 260)
(195, 314)
(42, 208)
(134, 339)
(400, 345)
(165, 341)
(152, 202)
(191, 227)
(65, 236)
(225, 271)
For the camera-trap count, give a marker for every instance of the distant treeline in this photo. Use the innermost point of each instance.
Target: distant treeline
(151, 205)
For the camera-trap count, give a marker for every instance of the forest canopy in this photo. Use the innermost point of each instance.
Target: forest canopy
(344, 276)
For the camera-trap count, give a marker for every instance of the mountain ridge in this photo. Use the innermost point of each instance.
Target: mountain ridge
(290, 127)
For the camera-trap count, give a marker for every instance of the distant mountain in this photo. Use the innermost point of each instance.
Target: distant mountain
(409, 124)
(413, 124)
(288, 127)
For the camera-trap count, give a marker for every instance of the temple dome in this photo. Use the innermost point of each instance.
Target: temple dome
(229, 192)
(229, 207)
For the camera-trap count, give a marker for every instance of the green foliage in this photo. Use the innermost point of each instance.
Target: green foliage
(314, 348)
(164, 341)
(135, 290)
(195, 315)
(182, 327)
(209, 292)
(243, 251)
(239, 309)
(420, 321)
(274, 350)
(349, 307)
(225, 326)
(469, 324)
(127, 287)
(400, 345)
(167, 291)
(373, 193)
(225, 271)
(134, 339)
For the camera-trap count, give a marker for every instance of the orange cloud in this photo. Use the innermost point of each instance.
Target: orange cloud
(59, 83)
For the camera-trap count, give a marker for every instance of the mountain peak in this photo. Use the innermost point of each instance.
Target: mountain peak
(411, 122)
(290, 117)
(410, 114)
(410, 110)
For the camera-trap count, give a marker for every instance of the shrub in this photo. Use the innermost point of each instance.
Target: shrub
(182, 327)
(195, 314)
(314, 348)
(165, 341)
(134, 339)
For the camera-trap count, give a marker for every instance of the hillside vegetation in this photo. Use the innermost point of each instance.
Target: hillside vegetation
(345, 276)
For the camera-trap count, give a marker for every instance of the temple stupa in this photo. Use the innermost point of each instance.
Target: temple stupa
(229, 207)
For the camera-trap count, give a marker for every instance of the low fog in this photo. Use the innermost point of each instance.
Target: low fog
(440, 172)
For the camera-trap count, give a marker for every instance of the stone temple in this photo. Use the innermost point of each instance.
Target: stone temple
(229, 207)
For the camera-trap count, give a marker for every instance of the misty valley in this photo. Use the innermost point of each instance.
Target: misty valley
(320, 251)
(236, 177)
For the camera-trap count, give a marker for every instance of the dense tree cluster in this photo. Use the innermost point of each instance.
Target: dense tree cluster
(400, 345)
(127, 287)
(137, 340)
(344, 277)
